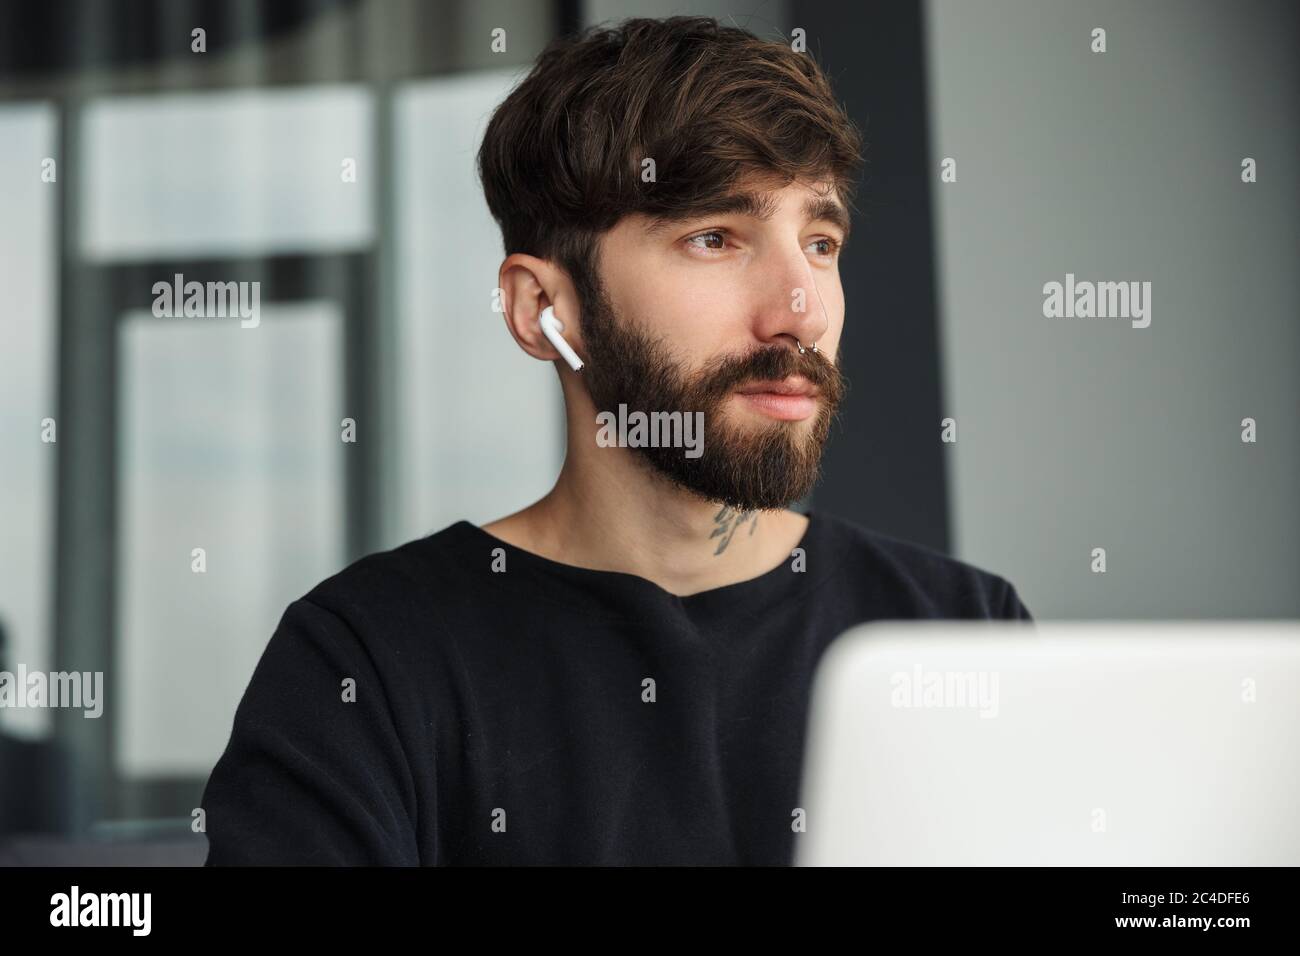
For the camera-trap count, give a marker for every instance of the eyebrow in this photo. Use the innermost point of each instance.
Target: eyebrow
(756, 206)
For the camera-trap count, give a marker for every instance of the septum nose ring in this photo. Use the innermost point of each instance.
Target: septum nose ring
(802, 350)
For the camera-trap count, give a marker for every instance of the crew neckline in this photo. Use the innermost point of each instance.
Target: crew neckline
(770, 585)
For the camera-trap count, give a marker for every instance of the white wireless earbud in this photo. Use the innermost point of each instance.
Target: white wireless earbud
(551, 327)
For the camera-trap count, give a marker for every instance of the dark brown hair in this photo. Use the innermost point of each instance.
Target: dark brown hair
(561, 160)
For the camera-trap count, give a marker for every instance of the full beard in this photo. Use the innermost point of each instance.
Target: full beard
(748, 465)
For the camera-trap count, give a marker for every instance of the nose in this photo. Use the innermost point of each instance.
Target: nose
(790, 308)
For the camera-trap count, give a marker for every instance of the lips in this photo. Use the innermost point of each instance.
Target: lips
(794, 385)
(788, 399)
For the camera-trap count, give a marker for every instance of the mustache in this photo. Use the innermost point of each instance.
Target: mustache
(770, 363)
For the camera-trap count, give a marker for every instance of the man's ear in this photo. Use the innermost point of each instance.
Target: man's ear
(524, 297)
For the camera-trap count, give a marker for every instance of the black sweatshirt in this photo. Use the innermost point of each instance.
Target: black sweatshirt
(422, 708)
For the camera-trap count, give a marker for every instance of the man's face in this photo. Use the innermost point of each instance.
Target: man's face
(703, 315)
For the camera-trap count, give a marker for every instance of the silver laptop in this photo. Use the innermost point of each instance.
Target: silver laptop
(1014, 744)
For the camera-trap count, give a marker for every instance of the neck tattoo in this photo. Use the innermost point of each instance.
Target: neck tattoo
(727, 522)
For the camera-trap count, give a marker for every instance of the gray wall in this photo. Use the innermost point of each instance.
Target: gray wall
(1124, 165)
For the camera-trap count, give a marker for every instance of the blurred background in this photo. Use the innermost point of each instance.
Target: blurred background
(128, 156)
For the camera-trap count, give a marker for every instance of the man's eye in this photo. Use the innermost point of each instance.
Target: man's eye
(830, 245)
(705, 235)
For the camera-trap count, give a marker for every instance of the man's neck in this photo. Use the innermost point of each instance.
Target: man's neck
(609, 512)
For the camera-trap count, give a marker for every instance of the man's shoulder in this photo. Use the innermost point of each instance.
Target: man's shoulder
(384, 589)
(907, 555)
(939, 582)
